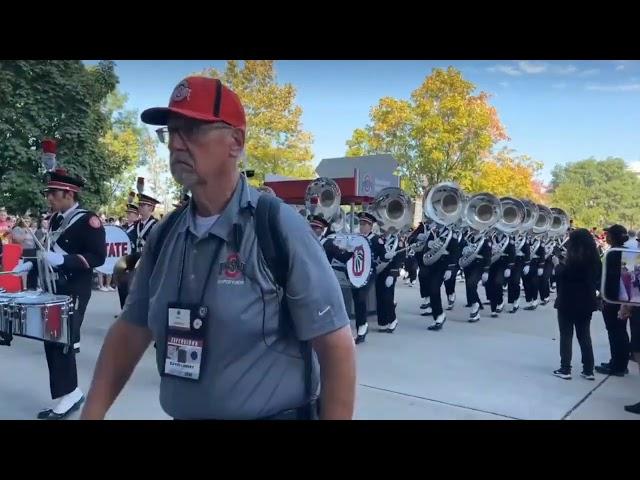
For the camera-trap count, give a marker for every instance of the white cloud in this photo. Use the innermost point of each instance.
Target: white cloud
(589, 72)
(559, 85)
(619, 67)
(627, 87)
(531, 67)
(565, 70)
(504, 84)
(525, 67)
(508, 69)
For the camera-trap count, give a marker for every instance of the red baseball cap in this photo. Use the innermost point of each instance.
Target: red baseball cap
(200, 98)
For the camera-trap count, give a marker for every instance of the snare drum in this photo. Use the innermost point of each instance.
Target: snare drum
(42, 316)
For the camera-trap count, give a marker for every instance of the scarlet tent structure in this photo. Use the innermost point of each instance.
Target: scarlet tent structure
(359, 179)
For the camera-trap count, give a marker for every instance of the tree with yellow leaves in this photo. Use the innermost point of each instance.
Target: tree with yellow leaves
(505, 174)
(440, 134)
(276, 142)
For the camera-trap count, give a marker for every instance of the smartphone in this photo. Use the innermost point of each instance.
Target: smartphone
(621, 276)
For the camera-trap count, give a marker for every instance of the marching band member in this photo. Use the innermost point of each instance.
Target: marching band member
(437, 272)
(385, 292)
(455, 250)
(146, 206)
(422, 234)
(519, 267)
(78, 246)
(131, 230)
(499, 270)
(547, 270)
(476, 271)
(360, 295)
(531, 280)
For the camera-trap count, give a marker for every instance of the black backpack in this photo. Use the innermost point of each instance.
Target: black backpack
(274, 251)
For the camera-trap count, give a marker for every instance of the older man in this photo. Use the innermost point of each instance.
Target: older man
(212, 305)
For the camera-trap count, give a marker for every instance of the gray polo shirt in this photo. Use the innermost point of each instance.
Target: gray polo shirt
(249, 370)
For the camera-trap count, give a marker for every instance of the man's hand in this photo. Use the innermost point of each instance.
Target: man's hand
(485, 277)
(507, 273)
(123, 347)
(625, 312)
(389, 255)
(388, 281)
(540, 271)
(525, 270)
(447, 275)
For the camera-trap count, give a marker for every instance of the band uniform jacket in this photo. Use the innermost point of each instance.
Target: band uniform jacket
(377, 248)
(83, 247)
(143, 229)
(508, 256)
(132, 233)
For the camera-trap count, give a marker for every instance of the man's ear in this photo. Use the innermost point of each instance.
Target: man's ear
(237, 142)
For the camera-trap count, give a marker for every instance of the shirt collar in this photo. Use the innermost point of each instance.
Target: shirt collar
(244, 197)
(68, 212)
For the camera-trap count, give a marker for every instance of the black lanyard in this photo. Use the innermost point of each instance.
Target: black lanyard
(216, 253)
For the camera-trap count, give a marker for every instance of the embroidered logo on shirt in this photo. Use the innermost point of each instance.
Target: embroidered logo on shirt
(230, 272)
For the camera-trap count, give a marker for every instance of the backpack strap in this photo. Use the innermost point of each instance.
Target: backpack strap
(274, 250)
(164, 227)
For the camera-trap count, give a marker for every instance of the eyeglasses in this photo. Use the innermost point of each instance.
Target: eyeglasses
(189, 131)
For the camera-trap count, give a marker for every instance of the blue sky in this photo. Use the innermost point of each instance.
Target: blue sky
(555, 111)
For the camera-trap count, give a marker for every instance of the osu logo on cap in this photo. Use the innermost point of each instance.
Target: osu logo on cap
(181, 92)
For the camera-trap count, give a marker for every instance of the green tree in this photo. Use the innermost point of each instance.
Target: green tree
(59, 99)
(130, 145)
(596, 193)
(440, 134)
(276, 142)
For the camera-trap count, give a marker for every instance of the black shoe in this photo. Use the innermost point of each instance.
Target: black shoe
(514, 309)
(587, 376)
(424, 305)
(563, 373)
(633, 408)
(544, 302)
(426, 314)
(361, 336)
(494, 314)
(474, 318)
(49, 414)
(500, 307)
(450, 306)
(486, 302)
(608, 371)
(392, 326)
(607, 365)
(435, 326)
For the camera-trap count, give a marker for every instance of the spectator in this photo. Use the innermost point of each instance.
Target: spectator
(41, 231)
(21, 234)
(577, 279)
(633, 314)
(616, 329)
(632, 242)
(5, 227)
